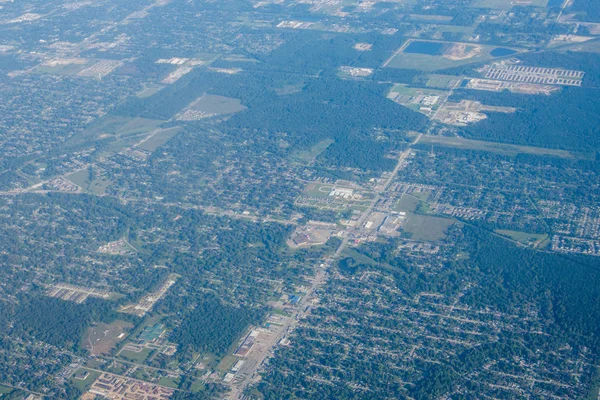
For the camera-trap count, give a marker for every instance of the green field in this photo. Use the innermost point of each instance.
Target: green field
(290, 89)
(226, 363)
(97, 186)
(111, 128)
(361, 258)
(430, 18)
(197, 386)
(158, 139)
(424, 227)
(84, 384)
(217, 105)
(406, 203)
(507, 4)
(150, 90)
(467, 31)
(103, 338)
(170, 382)
(592, 46)
(309, 156)
(137, 126)
(530, 239)
(500, 148)
(66, 70)
(138, 357)
(5, 390)
(443, 81)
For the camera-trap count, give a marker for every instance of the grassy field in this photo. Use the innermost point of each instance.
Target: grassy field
(138, 357)
(81, 178)
(506, 4)
(150, 90)
(423, 227)
(137, 126)
(430, 18)
(111, 127)
(170, 382)
(197, 386)
(530, 239)
(84, 384)
(218, 105)
(66, 70)
(592, 46)
(98, 186)
(226, 363)
(406, 204)
(158, 139)
(361, 258)
(500, 148)
(466, 31)
(309, 156)
(443, 81)
(102, 338)
(290, 89)
(5, 390)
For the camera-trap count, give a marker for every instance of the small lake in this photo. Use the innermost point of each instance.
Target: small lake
(502, 52)
(429, 48)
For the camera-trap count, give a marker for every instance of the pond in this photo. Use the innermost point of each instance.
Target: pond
(429, 48)
(502, 52)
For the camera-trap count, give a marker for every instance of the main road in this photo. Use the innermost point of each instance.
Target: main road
(303, 306)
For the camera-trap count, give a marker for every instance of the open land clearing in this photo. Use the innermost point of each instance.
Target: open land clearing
(427, 228)
(443, 81)
(62, 66)
(209, 105)
(430, 18)
(158, 138)
(150, 90)
(466, 112)
(500, 148)
(466, 31)
(309, 156)
(406, 203)
(78, 66)
(508, 4)
(97, 185)
(529, 239)
(311, 234)
(83, 378)
(111, 127)
(102, 338)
